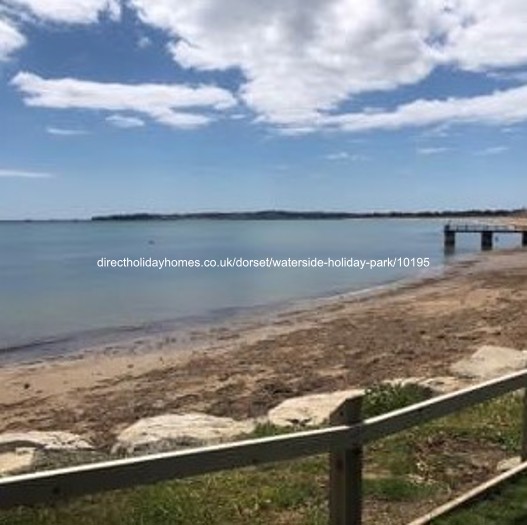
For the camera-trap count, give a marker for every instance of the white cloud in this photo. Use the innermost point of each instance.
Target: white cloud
(165, 103)
(302, 58)
(237, 116)
(440, 131)
(339, 155)
(344, 155)
(125, 122)
(299, 57)
(432, 150)
(10, 39)
(500, 107)
(143, 42)
(493, 150)
(63, 132)
(8, 173)
(57, 11)
(479, 34)
(68, 11)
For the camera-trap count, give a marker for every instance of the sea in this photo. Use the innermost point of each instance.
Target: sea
(59, 291)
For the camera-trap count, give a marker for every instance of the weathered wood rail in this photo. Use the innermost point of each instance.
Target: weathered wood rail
(344, 441)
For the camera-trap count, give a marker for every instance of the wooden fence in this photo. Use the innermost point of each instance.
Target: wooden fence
(343, 440)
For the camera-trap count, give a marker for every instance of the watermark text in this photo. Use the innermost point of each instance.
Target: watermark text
(266, 262)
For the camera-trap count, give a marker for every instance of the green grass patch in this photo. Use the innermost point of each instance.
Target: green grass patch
(507, 506)
(398, 489)
(385, 397)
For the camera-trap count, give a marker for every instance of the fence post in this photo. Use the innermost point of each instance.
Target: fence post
(345, 470)
(523, 451)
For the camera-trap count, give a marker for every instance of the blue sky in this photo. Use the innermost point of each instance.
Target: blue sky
(170, 106)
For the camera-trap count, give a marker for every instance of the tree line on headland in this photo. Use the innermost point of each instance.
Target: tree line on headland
(308, 215)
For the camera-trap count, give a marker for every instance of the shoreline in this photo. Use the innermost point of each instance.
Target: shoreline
(77, 344)
(416, 328)
(25, 342)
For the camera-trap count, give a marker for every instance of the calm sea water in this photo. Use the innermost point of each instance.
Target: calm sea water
(51, 289)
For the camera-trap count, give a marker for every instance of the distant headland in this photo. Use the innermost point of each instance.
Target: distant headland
(269, 215)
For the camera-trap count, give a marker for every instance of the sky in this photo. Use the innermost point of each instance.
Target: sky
(122, 106)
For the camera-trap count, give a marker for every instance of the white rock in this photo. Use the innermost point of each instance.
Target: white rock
(435, 386)
(310, 410)
(444, 384)
(13, 462)
(489, 362)
(507, 464)
(172, 431)
(10, 441)
(403, 381)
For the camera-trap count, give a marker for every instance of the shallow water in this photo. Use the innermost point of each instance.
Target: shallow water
(52, 290)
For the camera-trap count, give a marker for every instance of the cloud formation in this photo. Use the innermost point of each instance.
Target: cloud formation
(299, 60)
(500, 107)
(64, 132)
(67, 11)
(125, 122)
(15, 12)
(478, 34)
(492, 150)
(432, 150)
(8, 173)
(302, 58)
(11, 39)
(167, 104)
(338, 155)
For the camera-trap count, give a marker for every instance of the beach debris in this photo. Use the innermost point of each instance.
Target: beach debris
(16, 461)
(175, 431)
(490, 361)
(310, 410)
(507, 464)
(46, 441)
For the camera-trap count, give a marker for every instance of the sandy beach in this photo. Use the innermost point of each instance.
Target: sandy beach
(242, 370)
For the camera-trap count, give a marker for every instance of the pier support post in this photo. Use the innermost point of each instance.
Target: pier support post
(450, 238)
(524, 239)
(486, 240)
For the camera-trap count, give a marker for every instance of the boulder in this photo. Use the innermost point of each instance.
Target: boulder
(489, 362)
(172, 431)
(52, 441)
(19, 460)
(310, 410)
(507, 464)
(434, 386)
(444, 384)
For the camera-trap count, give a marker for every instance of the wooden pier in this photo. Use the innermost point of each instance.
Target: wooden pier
(486, 231)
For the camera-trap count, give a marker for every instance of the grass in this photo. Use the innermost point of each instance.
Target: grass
(507, 506)
(421, 465)
(385, 397)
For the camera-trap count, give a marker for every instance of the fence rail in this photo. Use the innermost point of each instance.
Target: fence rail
(344, 442)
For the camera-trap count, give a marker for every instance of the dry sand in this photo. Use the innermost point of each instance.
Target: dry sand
(241, 371)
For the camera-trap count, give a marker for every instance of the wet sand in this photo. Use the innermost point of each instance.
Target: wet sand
(242, 370)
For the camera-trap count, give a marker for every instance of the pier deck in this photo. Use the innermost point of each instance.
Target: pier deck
(486, 230)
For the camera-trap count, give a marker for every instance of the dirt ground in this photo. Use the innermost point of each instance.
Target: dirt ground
(417, 329)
